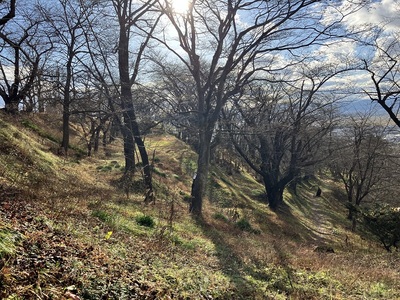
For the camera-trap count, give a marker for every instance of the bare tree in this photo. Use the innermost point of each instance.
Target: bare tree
(129, 14)
(66, 24)
(280, 130)
(21, 52)
(10, 14)
(135, 23)
(363, 160)
(384, 72)
(224, 44)
(172, 93)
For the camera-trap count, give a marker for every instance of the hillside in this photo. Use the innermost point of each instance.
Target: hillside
(69, 231)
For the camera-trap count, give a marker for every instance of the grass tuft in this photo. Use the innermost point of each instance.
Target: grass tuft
(9, 240)
(146, 221)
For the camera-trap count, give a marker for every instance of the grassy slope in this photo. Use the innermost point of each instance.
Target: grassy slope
(67, 230)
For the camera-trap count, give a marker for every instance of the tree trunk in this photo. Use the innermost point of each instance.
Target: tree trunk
(144, 157)
(274, 189)
(353, 211)
(126, 98)
(67, 101)
(353, 223)
(350, 214)
(96, 141)
(65, 129)
(131, 127)
(293, 185)
(353, 208)
(129, 147)
(11, 106)
(200, 180)
(274, 196)
(131, 136)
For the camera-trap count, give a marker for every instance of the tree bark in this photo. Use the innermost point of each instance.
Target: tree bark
(11, 101)
(200, 181)
(11, 106)
(67, 95)
(129, 148)
(274, 193)
(65, 129)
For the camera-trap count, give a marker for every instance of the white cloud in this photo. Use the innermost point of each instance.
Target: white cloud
(382, 13)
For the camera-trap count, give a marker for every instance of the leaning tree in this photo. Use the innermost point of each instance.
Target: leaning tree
(114, 62)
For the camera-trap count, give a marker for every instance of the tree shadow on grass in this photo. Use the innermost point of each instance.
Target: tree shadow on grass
(232, 265)
(252, 277)
(292, 225)
(300, 230)
(316, 220)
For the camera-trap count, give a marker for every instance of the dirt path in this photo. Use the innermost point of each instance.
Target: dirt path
(323, 226)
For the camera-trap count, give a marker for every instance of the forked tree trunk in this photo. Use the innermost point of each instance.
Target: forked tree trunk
(11, 106)
(131, 136)
(274, 196)
(131, 133)
(145, 159)
(275, 189)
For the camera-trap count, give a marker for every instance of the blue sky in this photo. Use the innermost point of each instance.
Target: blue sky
(384, 14)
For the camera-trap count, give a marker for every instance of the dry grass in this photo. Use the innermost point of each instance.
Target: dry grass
(79, 233)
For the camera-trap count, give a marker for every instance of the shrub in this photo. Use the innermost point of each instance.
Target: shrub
(103, 216)
(220, 216)
(383, 221)
(244, 225)
(145, 220)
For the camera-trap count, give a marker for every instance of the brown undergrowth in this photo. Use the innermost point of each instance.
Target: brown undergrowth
(68, 232)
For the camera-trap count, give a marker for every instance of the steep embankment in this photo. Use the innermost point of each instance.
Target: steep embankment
(68, 232)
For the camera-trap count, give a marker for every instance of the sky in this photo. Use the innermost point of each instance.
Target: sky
(379, 13)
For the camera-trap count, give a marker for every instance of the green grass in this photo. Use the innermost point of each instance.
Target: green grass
(104, 216)
(32, 126)
(109, 166)
(41, 132)
(113, 245)
(146, 221)
(9, 240)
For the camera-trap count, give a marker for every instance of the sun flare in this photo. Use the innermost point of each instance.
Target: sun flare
(180, 6)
